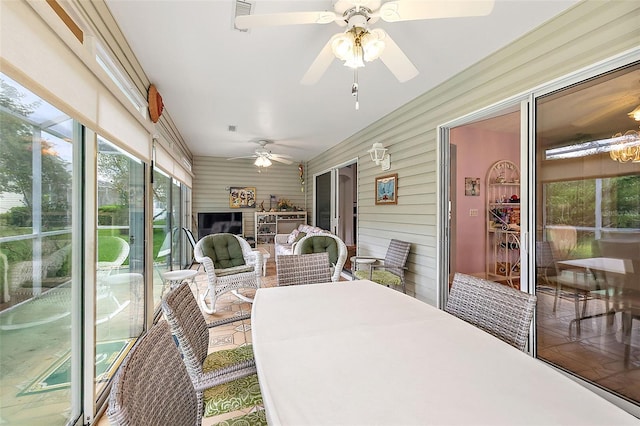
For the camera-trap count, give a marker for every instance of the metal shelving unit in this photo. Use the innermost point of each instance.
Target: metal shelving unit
(503, 223)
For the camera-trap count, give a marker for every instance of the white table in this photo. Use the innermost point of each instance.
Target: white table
(604, 264)
(369, 261)
(358, 353)
(265, 257)
(174, 278)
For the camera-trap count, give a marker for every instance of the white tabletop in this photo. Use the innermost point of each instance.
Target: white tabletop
(179, 274)
(606, 264)
(357, 353)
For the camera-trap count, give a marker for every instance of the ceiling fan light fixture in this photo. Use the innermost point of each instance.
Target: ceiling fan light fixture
(342, 46)
(356, 58)
(635, 114)
(372, 45)
(262, 162)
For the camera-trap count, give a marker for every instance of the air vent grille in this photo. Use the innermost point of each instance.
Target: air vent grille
(242, 8)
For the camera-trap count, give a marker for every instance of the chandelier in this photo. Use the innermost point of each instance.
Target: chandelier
(626, 147)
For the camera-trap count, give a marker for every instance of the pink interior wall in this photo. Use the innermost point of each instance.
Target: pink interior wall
(477, 150)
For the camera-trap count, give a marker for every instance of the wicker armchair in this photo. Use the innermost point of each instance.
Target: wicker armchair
(497, 309)
(230, 264)
(154, 393)
(390, 270)
(319, 243)
(231, 371)
(293, 269)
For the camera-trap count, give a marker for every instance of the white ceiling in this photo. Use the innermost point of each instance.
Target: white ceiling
(212, 76)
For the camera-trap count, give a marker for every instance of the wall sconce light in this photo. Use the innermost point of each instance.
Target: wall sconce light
(379, 156)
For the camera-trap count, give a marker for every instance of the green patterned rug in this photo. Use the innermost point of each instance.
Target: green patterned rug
(109, 355)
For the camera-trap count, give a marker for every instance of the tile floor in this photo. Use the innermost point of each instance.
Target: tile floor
(597, 353)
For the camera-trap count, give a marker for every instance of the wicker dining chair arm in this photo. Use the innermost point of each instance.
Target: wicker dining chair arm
(225, 375)
(229, 320)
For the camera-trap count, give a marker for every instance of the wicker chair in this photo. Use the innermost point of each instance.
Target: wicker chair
(154, 393)
(319, 243)
(230, 264)
(231, 371)
(390, 270)
(497, 309)
(293, 269)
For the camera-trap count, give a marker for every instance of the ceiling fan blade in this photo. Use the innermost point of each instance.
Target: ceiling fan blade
(280, 159)
(411, 10)
(395, 59)
(281, 156)
(242, 158)
(320, 64)
(293, 18)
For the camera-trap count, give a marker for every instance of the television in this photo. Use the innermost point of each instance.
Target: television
(215, 223)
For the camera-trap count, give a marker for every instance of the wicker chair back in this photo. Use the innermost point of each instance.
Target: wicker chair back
(294, 269)
(495, 308)
(152, 386)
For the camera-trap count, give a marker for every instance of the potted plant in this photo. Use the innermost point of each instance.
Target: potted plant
(285, 205)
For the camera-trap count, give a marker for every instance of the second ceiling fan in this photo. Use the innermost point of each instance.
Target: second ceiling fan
(360, 43)
(263, 156)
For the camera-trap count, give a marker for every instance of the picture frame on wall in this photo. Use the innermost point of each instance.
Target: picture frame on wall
(242, 197)
(472, 186)
(386, 189)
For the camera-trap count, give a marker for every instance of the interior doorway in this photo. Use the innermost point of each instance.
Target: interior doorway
(486, 202)
(335, 204)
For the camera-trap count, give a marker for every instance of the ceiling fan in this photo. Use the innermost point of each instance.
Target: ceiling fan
(359, 42)
(264, 157)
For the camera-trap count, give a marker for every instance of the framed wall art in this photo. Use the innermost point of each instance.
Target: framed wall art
(387, 189)
(242, 197)
(472, 186)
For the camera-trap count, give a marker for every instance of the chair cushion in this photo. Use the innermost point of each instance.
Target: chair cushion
(232, 396)
(234, 270)
(300, 236)
(257, 418)
(321, 244)
(235, 395)
(224, 358)
(381, 277)
(224, 250)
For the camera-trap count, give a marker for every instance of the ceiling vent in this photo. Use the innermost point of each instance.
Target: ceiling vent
(242, 8)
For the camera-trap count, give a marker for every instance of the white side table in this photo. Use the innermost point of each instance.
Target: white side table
(265, 257)
(174, 278)
(355, 261)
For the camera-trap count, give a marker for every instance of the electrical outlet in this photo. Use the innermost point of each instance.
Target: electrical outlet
(473, 212)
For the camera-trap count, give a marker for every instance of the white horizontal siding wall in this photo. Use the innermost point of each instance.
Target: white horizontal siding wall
(587, 33)
(214, 176)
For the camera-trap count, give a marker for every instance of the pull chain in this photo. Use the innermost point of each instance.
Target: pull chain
(354, 87)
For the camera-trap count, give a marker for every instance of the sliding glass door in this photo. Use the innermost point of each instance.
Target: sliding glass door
(587, 221)
(324, 200)
(40, 259)
(119, 293)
